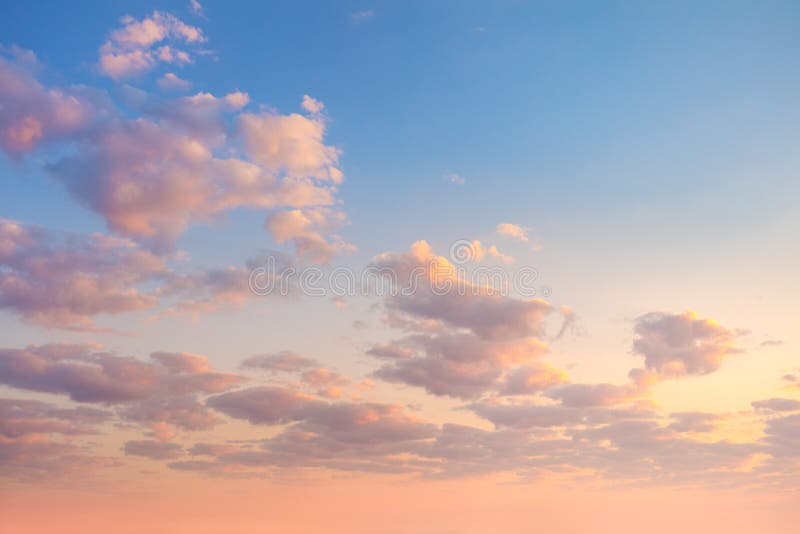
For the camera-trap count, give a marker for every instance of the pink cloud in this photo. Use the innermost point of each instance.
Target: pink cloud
(131, 49)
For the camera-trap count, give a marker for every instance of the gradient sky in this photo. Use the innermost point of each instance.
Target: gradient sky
(642, 157)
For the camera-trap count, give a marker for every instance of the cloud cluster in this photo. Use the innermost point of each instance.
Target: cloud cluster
(86, 374)
(58, 279)
(683, 344)
(154, 165)
(466, 340)
(139, 45)
(31, 113)
(35, 439)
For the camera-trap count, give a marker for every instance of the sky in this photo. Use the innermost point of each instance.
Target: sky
(430, 267)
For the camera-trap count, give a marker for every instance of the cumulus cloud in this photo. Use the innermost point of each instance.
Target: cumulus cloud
(25, 417)
(31, 114)
(776, 405)
(513, 231)
(305, 228)
(30, 448)
(161, 414)
(155, 167)
(139, 45)
(172, 82)
(62, 280)
(682, 344)
(534, 378)
(150, 178)
(86, 374)
(460, 364)
(489, 335)
(263, 405)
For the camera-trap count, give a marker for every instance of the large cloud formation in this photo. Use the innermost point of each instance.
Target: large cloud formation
(152, 166)
(466, 339)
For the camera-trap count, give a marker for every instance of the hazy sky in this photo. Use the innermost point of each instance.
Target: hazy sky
(596, 204)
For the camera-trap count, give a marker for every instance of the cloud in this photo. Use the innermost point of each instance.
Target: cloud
(489, 336)
(305, 229)
(196, 8)
(776, 405)
(139, 45)
(155, 166)
(31, 114)
(86, 374)
(782, 436)
(443, 295)
(61, 280)
(582, 395)
(263, 405)
(454, 178)
(682, 344)
(29, 445)
(312, 105)
(513, 231)
(162, 413)
(291, 144)
(459, 365)
(693, 422)
(530, 379)
(286, 360)
(171, 82)
(361, 17)
(153, 449)
(150, 178)
(25, 417)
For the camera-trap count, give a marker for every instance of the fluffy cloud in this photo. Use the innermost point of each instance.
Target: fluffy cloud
(62, 280)
(459, 365)
(156, 165)
(30, 113)
(264, 405)
(693, 422)
(171, 82)
(776, 405)
(25, 417)
(676, 345)
(29, 444)
(531, 379)
(305, 228)
(291, 144)
(593, 394)
(89, 375)
(513, 231)
(161, 414)
(489, 336)
(139, 45)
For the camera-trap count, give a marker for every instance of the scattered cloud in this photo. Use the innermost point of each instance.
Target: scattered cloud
(513, 231)
(139, 45)
(361, 17)
(454, 178)
(171, 82)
